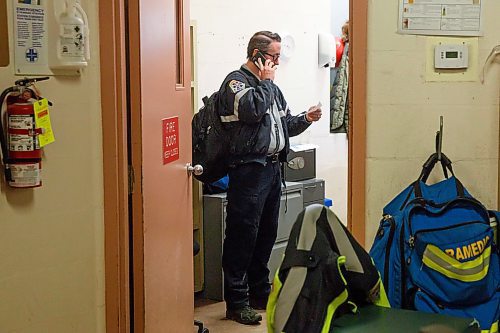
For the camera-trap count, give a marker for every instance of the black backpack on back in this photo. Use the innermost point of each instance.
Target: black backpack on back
(210, 141)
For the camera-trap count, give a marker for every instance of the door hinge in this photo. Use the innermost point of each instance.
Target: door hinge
(131, 179)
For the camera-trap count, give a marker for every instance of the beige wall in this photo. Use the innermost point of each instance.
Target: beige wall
(221, 49)
(51, 238)
(403, 112)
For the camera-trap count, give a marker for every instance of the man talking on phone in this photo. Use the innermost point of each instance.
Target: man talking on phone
(254, 108)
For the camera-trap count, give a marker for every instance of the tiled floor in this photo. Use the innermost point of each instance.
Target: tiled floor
(212, 314)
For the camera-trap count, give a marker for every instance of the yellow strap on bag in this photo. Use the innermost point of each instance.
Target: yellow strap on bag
(338, 301)
(271, 303)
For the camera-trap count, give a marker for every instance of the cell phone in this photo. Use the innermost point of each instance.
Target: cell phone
(257, 56)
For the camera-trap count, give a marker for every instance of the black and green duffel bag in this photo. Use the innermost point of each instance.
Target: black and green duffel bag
(324, 273)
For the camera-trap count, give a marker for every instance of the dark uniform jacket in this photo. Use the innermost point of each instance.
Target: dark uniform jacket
(246, 101)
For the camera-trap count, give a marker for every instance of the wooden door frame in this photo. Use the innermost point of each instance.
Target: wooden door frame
(135, 130)
(356, 185)
(115, 164)
(115, 161)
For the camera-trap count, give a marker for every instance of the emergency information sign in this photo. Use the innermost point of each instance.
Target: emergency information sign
(30, 38)
(170, 133)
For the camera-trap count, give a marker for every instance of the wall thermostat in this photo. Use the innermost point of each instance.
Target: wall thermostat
(450, 56)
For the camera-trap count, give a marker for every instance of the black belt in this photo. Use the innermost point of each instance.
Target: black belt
(272, 158)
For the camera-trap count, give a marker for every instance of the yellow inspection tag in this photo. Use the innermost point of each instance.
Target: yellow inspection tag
(42, 121)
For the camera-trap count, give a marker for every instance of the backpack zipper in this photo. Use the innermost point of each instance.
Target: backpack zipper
(403, 265)
(389, 219)
(413, 238)
(443, 208)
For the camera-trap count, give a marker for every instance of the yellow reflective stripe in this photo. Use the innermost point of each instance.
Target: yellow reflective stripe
(457, 264)
(339, 300)
(341, 261)
(470, 271)
(271, 303)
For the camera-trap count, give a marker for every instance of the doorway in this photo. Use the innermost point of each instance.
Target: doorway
(338, 113)
(301, 81)
(114, 67)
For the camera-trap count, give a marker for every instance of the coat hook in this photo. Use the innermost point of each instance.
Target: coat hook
(439, 138)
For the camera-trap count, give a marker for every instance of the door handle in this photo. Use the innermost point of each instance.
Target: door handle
(196, 170)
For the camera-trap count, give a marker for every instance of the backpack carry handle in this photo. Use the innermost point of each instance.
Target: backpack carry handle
(431, 162)
(424, 175)
(427, 169)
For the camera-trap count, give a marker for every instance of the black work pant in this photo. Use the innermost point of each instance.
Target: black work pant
(251, 227)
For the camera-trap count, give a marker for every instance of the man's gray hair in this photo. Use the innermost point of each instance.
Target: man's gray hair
(261, 40)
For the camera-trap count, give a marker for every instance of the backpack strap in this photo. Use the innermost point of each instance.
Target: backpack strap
(297, 274)
(300, 258)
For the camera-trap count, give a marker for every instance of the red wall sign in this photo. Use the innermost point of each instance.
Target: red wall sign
(170, 133)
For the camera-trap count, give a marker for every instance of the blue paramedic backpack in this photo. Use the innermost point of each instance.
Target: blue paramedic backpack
(436, 250)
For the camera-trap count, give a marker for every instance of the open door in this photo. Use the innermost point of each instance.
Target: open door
(145, 84)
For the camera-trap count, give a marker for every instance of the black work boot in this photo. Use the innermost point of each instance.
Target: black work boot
(245, 315)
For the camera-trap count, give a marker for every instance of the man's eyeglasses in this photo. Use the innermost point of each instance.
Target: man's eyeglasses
(275, 57)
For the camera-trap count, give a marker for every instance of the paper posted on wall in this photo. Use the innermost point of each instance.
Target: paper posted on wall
(440, 17)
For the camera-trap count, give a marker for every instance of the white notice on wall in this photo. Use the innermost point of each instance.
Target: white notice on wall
(440, 17)
(30, 48)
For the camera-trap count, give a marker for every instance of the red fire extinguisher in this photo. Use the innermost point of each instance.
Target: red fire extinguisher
(21, 152)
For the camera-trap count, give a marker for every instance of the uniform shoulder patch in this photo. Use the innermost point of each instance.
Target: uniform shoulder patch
(236, 86)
